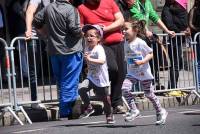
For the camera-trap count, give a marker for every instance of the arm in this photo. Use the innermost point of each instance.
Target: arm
(92, 60)
(74, 25)
(29, 19)
(117, 24)
(146, 59)
(153, 16)
(135, 12)
(164, 28)
(147, 51)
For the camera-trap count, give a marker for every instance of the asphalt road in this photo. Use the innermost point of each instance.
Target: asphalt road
(181, 120)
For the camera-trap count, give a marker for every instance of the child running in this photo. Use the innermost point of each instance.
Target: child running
(97, 76)
(138, 54)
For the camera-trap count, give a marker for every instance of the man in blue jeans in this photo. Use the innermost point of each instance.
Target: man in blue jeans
(65, 49)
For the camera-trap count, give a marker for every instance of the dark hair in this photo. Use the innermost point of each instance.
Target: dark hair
(139, 25)
(97, 33)
(196, 3)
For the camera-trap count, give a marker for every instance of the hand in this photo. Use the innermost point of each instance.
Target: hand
(187, 32)
(102, 27)
(171, 33)
(28, 34)
(149, 34)
(139, 62)
(87, 56)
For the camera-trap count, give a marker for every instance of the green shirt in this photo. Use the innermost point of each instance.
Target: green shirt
(144, 11)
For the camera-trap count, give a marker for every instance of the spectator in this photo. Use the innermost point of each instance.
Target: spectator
(65, 49)
(107, 14)
(174, 17)
(194, 25)
(143, 10)
(138, 54)
(97, 77)
(17, 10)
(33, 7)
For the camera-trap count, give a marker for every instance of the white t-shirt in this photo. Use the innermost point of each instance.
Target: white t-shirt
(37, 2)
(137, 50)
(97, 73)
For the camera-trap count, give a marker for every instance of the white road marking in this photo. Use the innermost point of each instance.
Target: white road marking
(28, 131)
(147, 116)
(97, 122)
(190, 111)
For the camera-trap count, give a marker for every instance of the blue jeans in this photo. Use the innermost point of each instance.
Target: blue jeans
(66, 69)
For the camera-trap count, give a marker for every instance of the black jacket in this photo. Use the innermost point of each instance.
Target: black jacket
(175, 17)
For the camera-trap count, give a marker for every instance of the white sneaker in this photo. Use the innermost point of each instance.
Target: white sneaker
(38, 106)
(161, 117)
(132, 115)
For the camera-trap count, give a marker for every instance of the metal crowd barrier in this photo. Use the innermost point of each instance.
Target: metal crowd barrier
(28, 64)
(167, 52)
(26, 56)
(6, 94)
(196, 91)
(161, 64)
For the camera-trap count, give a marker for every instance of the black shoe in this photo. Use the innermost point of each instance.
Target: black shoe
(87, 113)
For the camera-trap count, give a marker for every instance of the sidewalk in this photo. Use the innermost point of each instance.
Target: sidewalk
(52, 111)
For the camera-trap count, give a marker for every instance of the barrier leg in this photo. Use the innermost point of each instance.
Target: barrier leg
(190, 93)
(197, 96)
(186, 98)
(15, 116)
(25, 114)
(125, 103)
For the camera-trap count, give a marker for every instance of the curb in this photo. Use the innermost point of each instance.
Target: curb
(52, 111)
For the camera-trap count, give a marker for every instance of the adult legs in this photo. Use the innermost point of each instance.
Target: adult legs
(32, 62)
(67, 69)
(115, 60)
(175, 55)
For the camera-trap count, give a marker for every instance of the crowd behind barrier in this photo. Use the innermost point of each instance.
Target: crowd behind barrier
(15, 91)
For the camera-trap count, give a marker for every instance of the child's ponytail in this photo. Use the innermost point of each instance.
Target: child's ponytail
(141, 28)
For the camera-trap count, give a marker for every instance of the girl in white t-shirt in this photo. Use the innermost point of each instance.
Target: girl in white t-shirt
(97, 76)
(137, 55)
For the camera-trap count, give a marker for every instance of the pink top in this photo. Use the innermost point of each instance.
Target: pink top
(183, 3)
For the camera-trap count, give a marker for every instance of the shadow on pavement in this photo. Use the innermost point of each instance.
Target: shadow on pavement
(119, 126)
